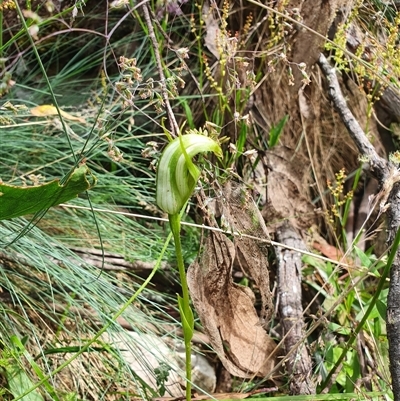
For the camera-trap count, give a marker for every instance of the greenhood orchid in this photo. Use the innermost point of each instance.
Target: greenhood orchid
(176, 180)
(176, 174)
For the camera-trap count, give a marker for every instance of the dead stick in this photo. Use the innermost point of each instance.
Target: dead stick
(379, 166)
(298, 365)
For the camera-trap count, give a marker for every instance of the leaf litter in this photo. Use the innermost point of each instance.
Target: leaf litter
(226, 309)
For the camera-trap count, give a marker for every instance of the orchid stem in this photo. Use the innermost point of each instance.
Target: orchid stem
(184, 302)
(176, 180)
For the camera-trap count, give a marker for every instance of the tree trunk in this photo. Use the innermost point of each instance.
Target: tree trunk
(393, 301)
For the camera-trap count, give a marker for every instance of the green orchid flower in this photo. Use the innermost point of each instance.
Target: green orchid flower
(176, 180)
(176, 174)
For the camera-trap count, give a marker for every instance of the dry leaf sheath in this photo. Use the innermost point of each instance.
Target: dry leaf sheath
(226, 309)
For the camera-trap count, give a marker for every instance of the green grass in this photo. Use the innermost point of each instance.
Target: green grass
(48, 284)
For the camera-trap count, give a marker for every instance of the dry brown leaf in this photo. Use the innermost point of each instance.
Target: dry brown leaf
(244, 217)
(226, 309)
(328, 250)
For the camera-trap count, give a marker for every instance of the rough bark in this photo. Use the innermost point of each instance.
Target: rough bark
(393, 301)
(317, 15)
(298, 365)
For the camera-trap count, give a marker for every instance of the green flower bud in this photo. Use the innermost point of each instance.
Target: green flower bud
(176, 174)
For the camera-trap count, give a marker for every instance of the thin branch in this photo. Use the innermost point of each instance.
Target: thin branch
(341, 262)
(164, 91)
(379, 166)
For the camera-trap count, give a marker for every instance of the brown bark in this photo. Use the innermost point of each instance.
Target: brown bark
(306, 44)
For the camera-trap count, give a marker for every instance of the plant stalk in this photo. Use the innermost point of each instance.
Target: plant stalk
(184, 302)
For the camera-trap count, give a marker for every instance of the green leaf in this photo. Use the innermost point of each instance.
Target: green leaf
(381, 306)
(18, 201)
(17, 379)
(242, 138)
(275, 132)
(187, 319)
(337, 328)
(19, 382)
(22, 351)
(365, 260)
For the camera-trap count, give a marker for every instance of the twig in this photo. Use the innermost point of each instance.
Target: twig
(170, 43)
(379, 166)
(164, 91)
(206, 227)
